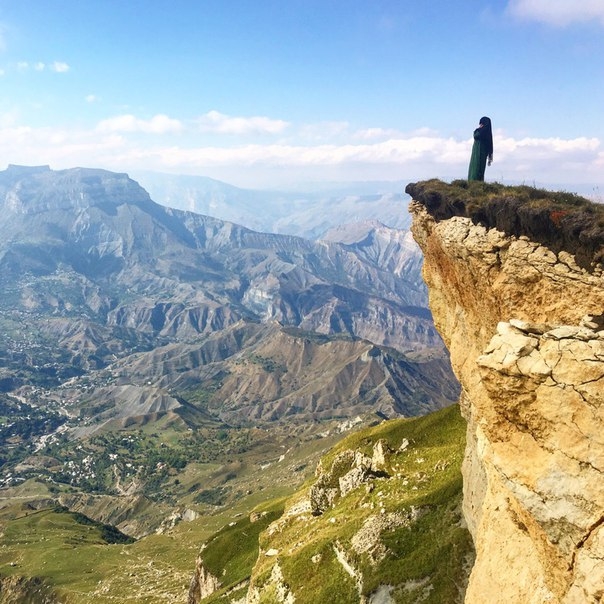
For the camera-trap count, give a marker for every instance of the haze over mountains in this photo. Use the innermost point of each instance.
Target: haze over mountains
(136, 310)
(307, 211)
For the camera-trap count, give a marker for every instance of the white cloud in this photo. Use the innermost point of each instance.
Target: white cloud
(547, 146)
(323, 131)
(117, 144)
(390, 151)
(217, 122)
(8, 119)
(59, 67)
(375, 133)
(558, 12)
(430, 150)
(92, 98)
(56, 66)
(158, 124)
(525, 160)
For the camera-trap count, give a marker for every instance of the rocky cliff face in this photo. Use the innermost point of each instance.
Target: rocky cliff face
(524, 324)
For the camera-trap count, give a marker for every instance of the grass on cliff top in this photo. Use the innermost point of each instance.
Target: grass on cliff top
(558, 219)
(470, 196)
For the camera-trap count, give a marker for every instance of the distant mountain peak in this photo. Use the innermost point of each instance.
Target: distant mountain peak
(31, 189)
(353, 232)
(309, 213)
(14, 169)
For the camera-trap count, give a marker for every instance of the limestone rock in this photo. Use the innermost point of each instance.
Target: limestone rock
(349, 470)
(367, 538)
(593, 322)
(203, 583)
(524, 329)
(282, 591)
(381, 452)
(351, 480)
(255, 516)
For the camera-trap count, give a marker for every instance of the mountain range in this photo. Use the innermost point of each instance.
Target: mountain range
(117, 311)
(307, 211)
(96, 270)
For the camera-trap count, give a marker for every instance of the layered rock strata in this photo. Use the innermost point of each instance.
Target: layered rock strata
(524, 326)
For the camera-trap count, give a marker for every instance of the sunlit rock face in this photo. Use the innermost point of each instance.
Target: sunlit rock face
(524, 326)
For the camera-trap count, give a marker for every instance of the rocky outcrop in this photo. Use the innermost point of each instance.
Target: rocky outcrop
(349, 470)
(523, 324)
(15, 589)
(367, 540)
(277, 588)
(203, 583)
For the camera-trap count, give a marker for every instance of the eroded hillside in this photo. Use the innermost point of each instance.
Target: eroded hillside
(116, 308)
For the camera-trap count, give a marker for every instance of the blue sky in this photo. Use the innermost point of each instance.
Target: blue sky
(273, 93)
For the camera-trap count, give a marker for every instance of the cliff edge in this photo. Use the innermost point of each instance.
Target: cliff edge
(516, 287)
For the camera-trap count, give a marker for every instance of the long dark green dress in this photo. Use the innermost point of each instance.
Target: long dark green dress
(480, 153)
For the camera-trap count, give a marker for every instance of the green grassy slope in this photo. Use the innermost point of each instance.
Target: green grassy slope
(418, 552)
(400, 531)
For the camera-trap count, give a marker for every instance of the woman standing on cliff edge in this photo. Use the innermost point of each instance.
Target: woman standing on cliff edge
(481, 150)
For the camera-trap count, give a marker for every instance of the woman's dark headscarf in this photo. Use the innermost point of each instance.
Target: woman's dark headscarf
(487, 134)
